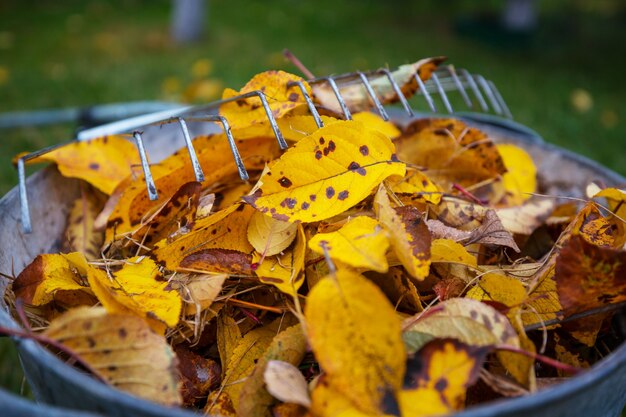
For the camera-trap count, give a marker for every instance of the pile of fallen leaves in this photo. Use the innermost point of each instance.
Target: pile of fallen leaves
(366, 270)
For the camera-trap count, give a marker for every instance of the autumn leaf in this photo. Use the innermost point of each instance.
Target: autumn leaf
(418, 187)
(288, 346)
(122, 350)
(269, 236)
(199, 291)
(399, 289)
(282, 99)
(360, 243)
(520, 180)
(48, 276)
(589, 276)
(377, 123)
(137, 288)
(169, 175)
(286, 383)
(356, 97)
(197, 375)
(362, 318)
(449, 251)
(408, 234)
(228, 337)
(476, 324)
(526, 218)
(244, 358)
(217, 243)
(103, 162)
(438, 377)
(344, 161)
(451, 151)
(80, 231)
(286, 271)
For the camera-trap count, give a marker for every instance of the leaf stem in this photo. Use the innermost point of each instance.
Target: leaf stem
(298, 64)
(541, 358)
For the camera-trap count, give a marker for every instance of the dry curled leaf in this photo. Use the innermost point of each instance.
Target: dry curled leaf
(408, 234)
(80, 231)
(122, 350)
(268, 235)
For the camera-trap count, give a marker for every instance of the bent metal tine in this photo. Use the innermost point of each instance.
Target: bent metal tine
(268, 113)
(459, 86)
(500, 99)
(372, 94)
(475, 90)
(482, 82)
(427, 96)
(197, 169)
(309, 102)
(243, 174)
(342, 103)
(399, 93)
(152, 191)
(21, 175)
(442, 93)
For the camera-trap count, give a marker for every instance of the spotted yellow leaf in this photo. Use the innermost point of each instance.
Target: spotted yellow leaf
(282, 99)
(361, 243)
(137, 288)
(122, 350)
(376, 122)
(438, 377)
(103, 162)
(418, 187)
(326, 173)
(361, 318)
(408, 234)
(54, 277)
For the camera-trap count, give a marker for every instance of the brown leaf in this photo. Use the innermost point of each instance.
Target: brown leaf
(589, 276)
(198, 375)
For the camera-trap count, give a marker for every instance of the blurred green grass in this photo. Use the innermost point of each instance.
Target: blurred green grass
(81, 53)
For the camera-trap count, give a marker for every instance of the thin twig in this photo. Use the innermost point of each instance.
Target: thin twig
(298, 64)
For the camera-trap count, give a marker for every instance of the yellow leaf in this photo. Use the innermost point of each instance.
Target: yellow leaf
(501, 288)
(327, 402)
(288, 346)
(268, 235)
(80, 233)
(451, 151)
(217, 243)
(418, 186)
(286, 271)
(358, 341)
(170, 174)
(103, 162)
(39, 283)
(356, 97)
(244, 358)
(281, 99)
(293, 128)
(376, 122)
(200, 290)
(521, 177)
(438, 377)
(137, 288)
(361, 243)
(408, 234)
(326, 173)
(449, 251)
(122, 350)
(228, 337)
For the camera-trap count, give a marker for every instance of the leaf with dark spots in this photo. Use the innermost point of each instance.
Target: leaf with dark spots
(218, 260)
(438, 376)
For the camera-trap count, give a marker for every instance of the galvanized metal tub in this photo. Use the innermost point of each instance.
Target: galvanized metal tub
(600, 391)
